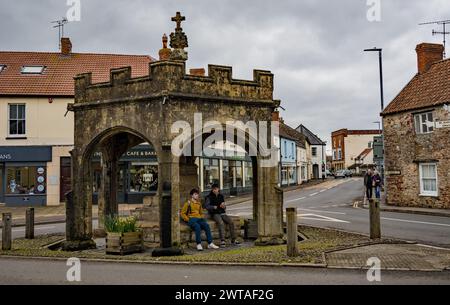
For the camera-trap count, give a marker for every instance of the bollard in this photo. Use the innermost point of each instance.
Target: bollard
(7, 232)
(292, 232)
(29, 224)
(375, 222)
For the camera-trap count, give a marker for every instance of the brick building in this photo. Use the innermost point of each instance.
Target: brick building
(417, 135)
(348, 145)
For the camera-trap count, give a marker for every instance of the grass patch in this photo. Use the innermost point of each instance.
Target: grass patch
(310, 251)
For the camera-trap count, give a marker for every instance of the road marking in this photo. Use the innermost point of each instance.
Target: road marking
(322, 191)
(294, 200)
(418, 222)
(313, 194)
(36, 228)
(320, 218)
(433, 247)
(327, 212)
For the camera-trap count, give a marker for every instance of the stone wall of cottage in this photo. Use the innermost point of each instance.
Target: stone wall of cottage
(405, 150)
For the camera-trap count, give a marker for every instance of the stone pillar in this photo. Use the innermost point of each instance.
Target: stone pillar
(169, 181)
(269, 207)
(79, 206)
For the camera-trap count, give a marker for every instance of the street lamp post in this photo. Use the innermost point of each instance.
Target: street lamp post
(380, 58)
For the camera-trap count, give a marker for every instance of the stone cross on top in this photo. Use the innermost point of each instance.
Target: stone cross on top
(178, 19)
(178, 39)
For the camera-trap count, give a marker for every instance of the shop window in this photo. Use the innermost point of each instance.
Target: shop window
(210, 173)
(26, 180)
(248, 174)
(143, 177)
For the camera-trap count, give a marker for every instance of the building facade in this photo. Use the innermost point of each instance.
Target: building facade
(316, 153)
(348, 145)
(417, 135)
(38, 133)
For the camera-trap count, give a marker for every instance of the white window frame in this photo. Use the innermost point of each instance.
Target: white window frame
(314, 149)
(9, 119)
(418, 123)
(421, 178)
(36, 70)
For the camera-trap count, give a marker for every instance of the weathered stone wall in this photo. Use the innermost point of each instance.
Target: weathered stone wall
(404, 150)
(123, 112)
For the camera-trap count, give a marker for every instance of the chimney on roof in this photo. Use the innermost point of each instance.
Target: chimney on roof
(197, 72)
(428, 54)
(276, 116)
(66, 46)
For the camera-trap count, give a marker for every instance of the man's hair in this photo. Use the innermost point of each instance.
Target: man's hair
(215, 186)
(194, 191)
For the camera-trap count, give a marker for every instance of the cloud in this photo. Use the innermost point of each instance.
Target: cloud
(314, 47)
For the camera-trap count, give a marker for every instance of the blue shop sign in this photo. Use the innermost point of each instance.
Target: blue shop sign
(25, 153)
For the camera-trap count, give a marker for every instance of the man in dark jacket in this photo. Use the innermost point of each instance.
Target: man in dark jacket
(368, 183)
(215, 204)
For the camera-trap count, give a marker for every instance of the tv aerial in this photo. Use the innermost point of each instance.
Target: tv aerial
(60, 25)
(444, 31)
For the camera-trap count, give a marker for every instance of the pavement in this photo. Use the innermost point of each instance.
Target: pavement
(400, 257)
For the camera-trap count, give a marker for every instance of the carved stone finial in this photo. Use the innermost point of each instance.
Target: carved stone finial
(165, 52)
(178, 39)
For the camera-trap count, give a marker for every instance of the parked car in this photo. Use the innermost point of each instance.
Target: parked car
(343, 173)
(340, 174)
(329, 173)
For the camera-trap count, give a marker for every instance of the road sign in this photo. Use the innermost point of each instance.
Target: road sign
(442, 124)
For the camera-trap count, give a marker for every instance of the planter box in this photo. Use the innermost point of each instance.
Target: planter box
(124, 243)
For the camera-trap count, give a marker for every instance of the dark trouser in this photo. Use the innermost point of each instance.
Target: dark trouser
(378, 192)
(199, 224)
(221, 220)
(369, 192)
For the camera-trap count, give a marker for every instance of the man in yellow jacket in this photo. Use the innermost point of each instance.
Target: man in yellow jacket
(192, 213)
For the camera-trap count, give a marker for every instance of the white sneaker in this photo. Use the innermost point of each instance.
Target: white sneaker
(199, 247)
(212, 246)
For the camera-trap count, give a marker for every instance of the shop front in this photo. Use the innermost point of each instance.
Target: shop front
(23, 175)
(233, 175)
(288, 174)
(137, 175)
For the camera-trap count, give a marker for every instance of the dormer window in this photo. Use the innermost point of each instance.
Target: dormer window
(32, 69)
(2, 67)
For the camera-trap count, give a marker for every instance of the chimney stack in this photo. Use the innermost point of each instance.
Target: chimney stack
(197, 72)
(66, 46)
(428, 54)
(276, 116)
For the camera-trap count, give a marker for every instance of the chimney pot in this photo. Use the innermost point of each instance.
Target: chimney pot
(197, 72)
(427, 55)
(66, 46)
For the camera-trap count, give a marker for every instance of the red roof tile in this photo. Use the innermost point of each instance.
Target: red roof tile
(429, 89)
(57, 79)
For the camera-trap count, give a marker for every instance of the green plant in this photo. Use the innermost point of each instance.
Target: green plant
(115, 224)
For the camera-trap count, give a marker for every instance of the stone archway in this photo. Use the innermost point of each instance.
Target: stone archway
(126, 110)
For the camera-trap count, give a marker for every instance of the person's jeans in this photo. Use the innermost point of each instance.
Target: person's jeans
(199, 224)
(221, 220)
(378, 192)
(369, 192)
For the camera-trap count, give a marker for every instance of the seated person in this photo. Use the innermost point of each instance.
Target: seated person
(215, 204)
(192, 213)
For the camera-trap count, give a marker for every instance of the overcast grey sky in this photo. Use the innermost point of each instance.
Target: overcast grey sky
(314, 47)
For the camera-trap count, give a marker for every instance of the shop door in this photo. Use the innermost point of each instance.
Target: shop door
(121, 182)
(65, 178)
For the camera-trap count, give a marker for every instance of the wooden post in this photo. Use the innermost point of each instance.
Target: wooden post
(29, 224)
(375, 223)
(292, 232)
(7, 232)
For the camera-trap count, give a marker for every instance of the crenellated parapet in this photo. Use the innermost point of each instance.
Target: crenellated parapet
(170, 78)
